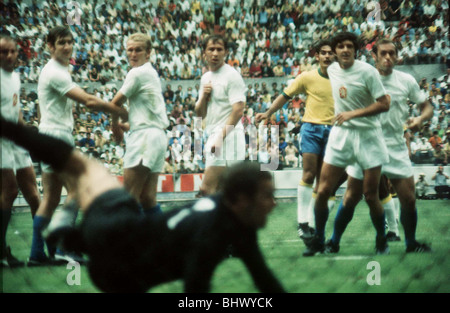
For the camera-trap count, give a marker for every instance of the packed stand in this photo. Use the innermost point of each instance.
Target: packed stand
(268, 39)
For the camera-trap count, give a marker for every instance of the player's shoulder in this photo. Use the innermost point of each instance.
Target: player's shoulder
(53, 72)
(228, 70)
(205, 204)
(53, 69)
(15, 77)
(142, 73)
(136, 71)
(305, 78)
(402, 76)
(228, 74)
(333, 66)
(361, 65)
(47, 67)
(309, 74)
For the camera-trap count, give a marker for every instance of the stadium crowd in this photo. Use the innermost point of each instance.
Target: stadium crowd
(268, 38)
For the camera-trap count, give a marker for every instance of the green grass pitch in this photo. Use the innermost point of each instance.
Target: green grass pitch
(345, 272)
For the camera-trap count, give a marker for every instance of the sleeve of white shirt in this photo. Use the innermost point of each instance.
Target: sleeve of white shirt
(415, 94)
(236, 89)
(130, 84)
(63, 84)
(374, 83)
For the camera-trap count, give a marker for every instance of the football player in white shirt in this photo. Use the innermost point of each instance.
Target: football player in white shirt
(147, 142)
(356, 137)
(55, 88)
(221, 103)
(16, 166)
(401, 87)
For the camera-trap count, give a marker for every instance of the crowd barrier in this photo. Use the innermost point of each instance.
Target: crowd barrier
(178, 187)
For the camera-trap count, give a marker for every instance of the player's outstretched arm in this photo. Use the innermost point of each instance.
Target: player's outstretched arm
(263, 277)
(382, 104)
(119, 128)
(276, 105)
(426, 113)
(92, 102)
(200, 265)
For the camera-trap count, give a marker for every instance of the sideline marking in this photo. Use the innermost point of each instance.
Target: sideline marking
(350, 257)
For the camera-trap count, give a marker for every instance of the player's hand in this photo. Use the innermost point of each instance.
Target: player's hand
(342, 117)
(125, 126)
(123, 114)
(261, 116)
(93, 101)
(217, 147)
(117, 131)
(414, 124)
(207, 91)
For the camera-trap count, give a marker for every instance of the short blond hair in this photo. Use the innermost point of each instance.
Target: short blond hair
(141, 37)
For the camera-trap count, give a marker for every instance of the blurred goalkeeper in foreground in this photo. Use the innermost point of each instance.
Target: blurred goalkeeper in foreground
(131, 252)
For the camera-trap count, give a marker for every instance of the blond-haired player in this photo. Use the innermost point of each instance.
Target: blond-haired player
(146, 143)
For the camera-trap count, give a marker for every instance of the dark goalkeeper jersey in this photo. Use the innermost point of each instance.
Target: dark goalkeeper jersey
(129, 252)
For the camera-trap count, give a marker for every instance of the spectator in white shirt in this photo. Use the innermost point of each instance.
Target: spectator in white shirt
(444, 53)
(409, 54)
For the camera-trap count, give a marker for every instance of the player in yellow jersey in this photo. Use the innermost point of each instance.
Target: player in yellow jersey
(314, 131)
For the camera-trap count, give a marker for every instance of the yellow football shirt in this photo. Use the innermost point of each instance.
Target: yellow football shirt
(319, 105)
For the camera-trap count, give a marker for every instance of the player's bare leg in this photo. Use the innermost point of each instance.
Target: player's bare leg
(210, 181)
(370, 190)
(26, 180)
(9, 191)
(329, 178)
(141, 183)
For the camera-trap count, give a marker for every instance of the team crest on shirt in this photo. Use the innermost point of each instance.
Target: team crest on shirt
(15, 99)
(343, 92)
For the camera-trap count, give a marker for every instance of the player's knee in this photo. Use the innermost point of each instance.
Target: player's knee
(50, 203)
(30, 192)
(33, 200)
(308, 177)
(351, 198)
(324, 191)
(9, 194)
(409, 203)
(371, 196)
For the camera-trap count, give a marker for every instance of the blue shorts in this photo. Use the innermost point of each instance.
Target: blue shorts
(314, 138)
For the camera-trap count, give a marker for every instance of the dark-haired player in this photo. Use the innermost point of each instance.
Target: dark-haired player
(130, 251)
(316, 126)
(55, 88)
(221, 103)
(356, 136)
(401, 87)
